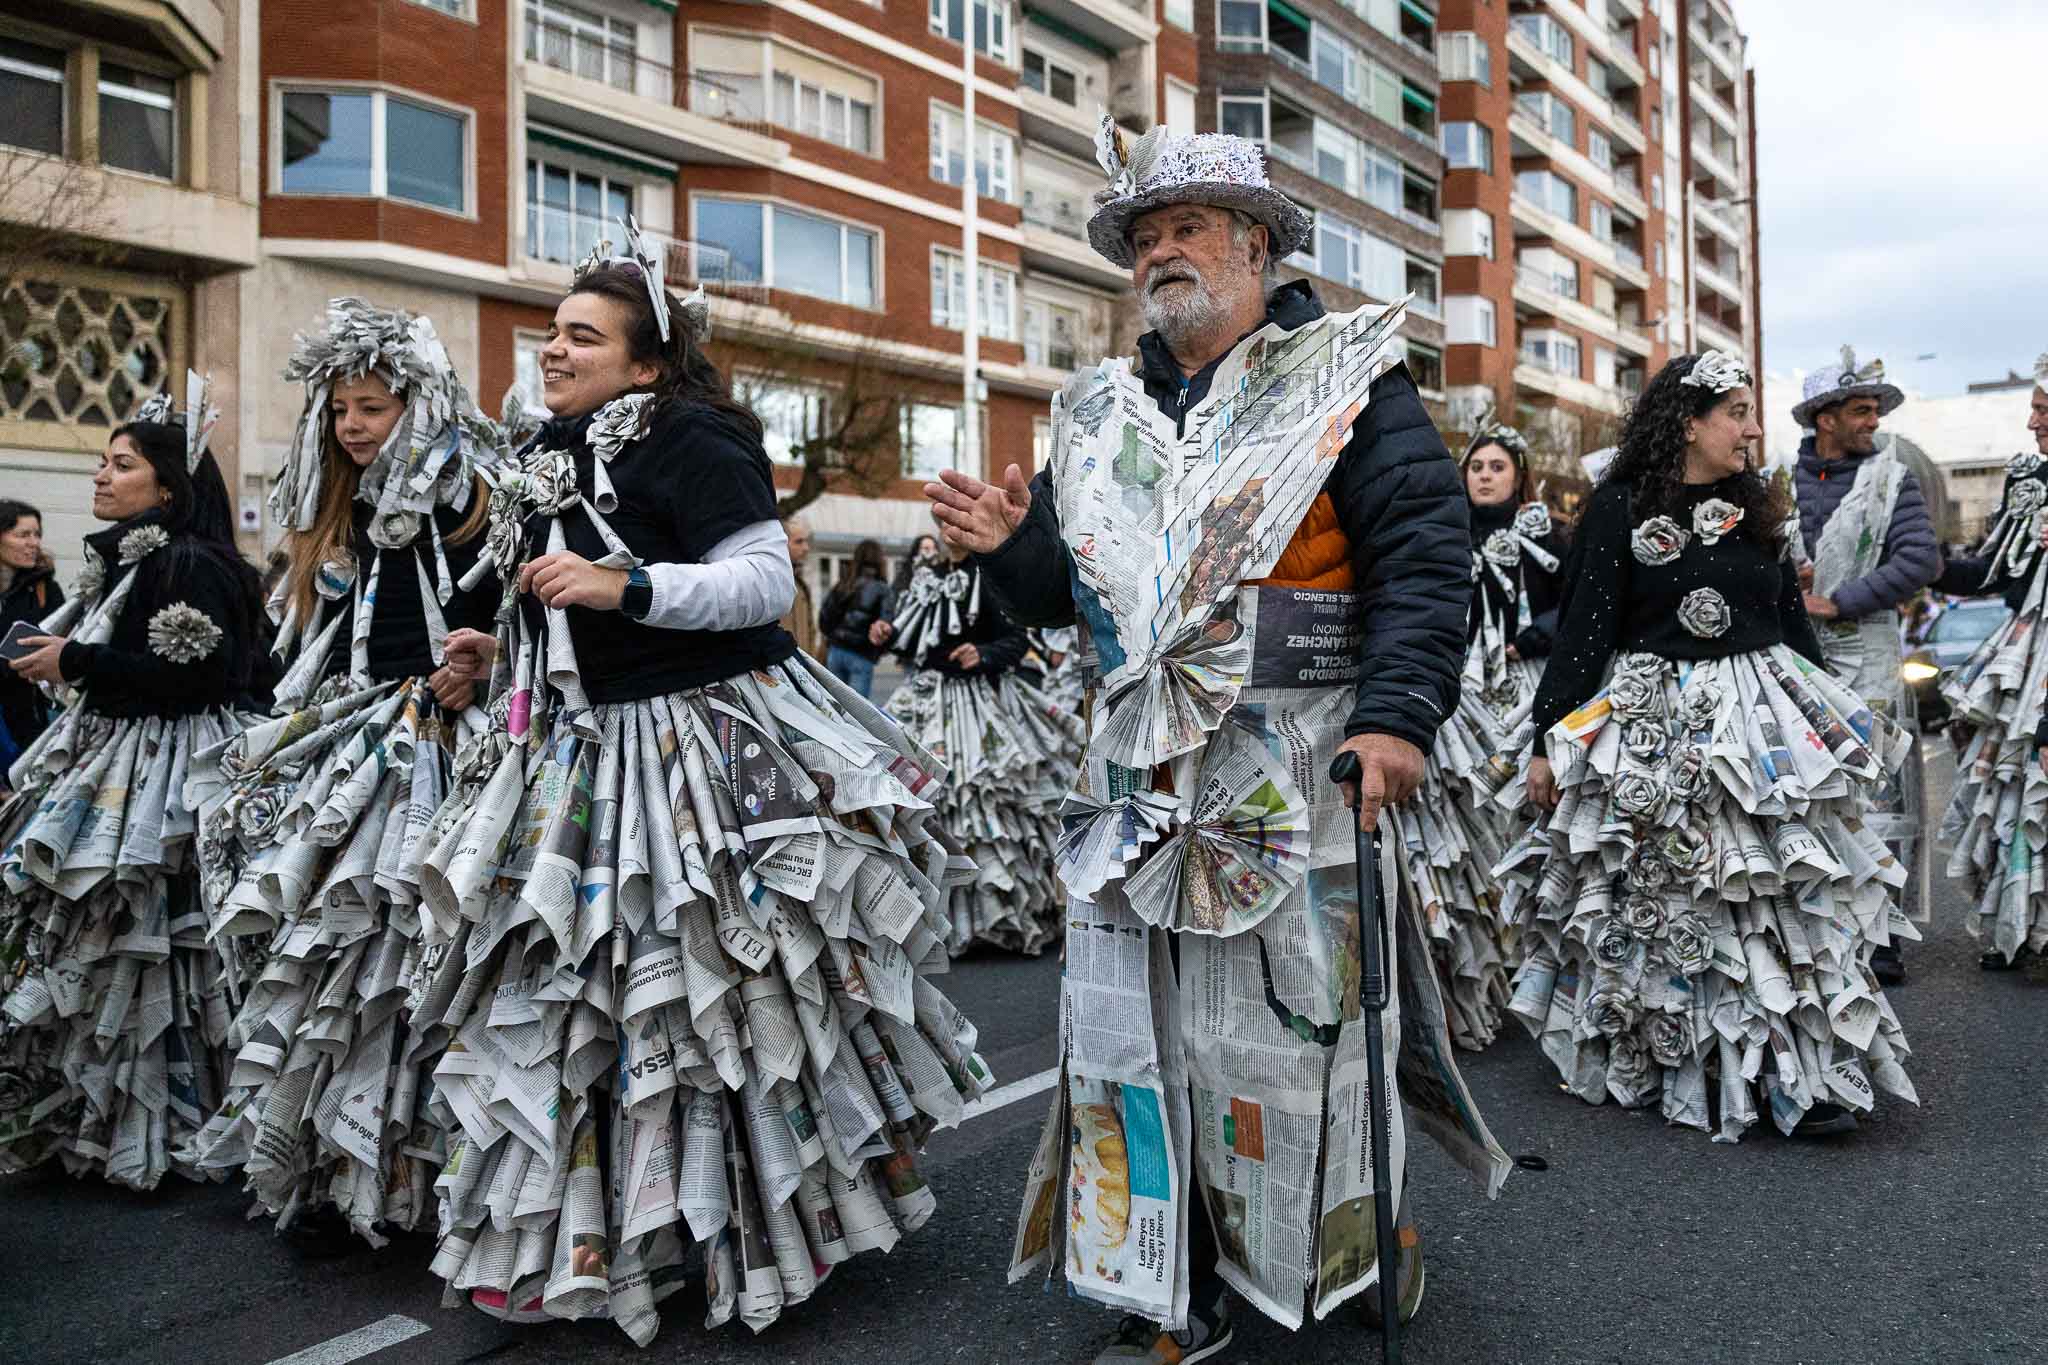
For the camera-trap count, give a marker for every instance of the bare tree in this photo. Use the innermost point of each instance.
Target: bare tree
(50, 209)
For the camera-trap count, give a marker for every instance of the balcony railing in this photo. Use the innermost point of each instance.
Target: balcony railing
(563, 237)
(1057, 355)
(1627, 254)
(598, 57)
(1543, 282)
(1065, 216)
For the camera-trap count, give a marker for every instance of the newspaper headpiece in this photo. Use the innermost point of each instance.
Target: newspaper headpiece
(1490, 432)
(1163, 168)
(1716, 372)
(440, 441)
(647, 265)
(1838, 382)
(200, 418)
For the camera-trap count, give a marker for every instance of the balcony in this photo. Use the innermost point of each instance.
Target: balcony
(1705, 158)
(1541, 293)
(1720, 219)
(1595, 37)
(1116, 24)
(1713, 334)
(605, 92)
(1722, 56)
(1528, 62)
(1056, 239)
(1632, 8)
(1064, 127)
(1567, 387)
(208, 233)
(557, 238)
(1718, 108)
(1714, 277)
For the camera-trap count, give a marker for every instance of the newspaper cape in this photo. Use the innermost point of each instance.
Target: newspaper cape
(1235, 1074)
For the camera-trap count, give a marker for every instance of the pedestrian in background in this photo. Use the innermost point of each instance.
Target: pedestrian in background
(28, 592)
(857, 601)
(801, 621)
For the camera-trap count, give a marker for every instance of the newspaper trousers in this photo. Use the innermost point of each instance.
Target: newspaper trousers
(1010, 754)
(1702, 905)
(312, 845)
(692, 939)
(113, 1006)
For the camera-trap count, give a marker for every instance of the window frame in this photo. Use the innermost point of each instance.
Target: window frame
(955, 263)
(952, 118)
(148, 99)
(1480, 136)
(380, 94)
(939, 16)
(768, 205)
(1480, 311)
(1461, 51)
(607, 179)
(750, 384)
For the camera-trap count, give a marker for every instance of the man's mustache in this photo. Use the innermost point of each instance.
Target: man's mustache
(1167, 274)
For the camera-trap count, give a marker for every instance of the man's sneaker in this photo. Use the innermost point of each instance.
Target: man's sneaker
(1141, 1341)
(1410, 1278)
(1825, 1120)
(1889, 966)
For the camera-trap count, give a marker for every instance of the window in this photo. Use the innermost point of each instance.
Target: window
(1242, 115)
(1423, 280)
(1657, 191)
(1240, 24)
(1052, 78)
(1180, 13)
(1656, 64)
(1551, 271)
(1464, 57)
(85, 354)
(1550, 37)
(1425, 366)
(32, 97)
(1041, 442)
(1355, 258)
(792, 414)
(374, 144)
(1656, 125)
(570, 211)
(1660, 258)
(837, 116)
(995, 158)
(594, 46)
(1599, 149)
(526, 369)
(1468, 232)
(1553, 351)
(786, 248)
(1550, 192)
(1603, 361)
(991, 25)
(995, 299)
(1601, 218)
(458, 8)
(1469, 321)
(930, 434)
(138, 121)
(1180, 106)
(1467, 147)
(1052, 335)
(1553, 113)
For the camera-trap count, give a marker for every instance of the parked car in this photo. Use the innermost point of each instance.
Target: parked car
(1950, 641)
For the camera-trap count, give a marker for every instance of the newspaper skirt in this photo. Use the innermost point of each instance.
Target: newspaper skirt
(1011, 755)
(1997, 819)
(687, 950)
(312, 845)
(113, 1006)
(1701, 907)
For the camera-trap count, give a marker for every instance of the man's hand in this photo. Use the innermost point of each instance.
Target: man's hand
(468, 654)
(1390, 770)
(453, 690)
(2043, 756)
(1821, 608)
(966, 656)
(41, 666)
(563, 579)
(978, 516)
(1806, 574)
(881, 633)
(1542, 784)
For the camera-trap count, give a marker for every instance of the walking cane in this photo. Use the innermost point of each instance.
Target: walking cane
(1374, 991)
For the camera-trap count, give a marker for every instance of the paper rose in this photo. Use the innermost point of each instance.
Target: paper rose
(142, 542)
(257, 814)
(1617, 950)
(1687, 777)
(1717, 372)
(1700, 704)
(1670, 1038)
(1636, 689)
(1643, 915)
(2023, 464)
(183, 634)
(92, 576)
(1657, 541)
(1612, 1012)
(1687, 850)
(1704, 612)
(1688, 944)
(1647, 870)
(1533, 521)
(1629, 1078)
(1715, 518)
(2020, 500)
(1501, 549)
(394, 530)
(1643, 740)
(1640, 795)
(617, 422)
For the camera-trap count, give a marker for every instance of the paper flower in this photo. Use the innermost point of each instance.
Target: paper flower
(1670, 1038)
(1647, 870)
(1617, 950)
(394, 530)
(1636, 690)
(1613, 1013)
(1700, 704)
(2021, 499)
(1657, 541)
(2023, 464)
(1715, 518)
(1717, 372)
(1533, 521)
(92, 576)
(1687, 850)
(1501, 549)
(1643, 740)
(257, 815)
(142, 542)
(622, 420)
(183, 634)
(1688, 944)
(1640, 795)
(1704, 612)
(1643, 915)
(1687, 775)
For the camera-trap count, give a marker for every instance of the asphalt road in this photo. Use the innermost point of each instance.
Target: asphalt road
(1920, 1238)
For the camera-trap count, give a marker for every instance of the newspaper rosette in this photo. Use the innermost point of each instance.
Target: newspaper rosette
(693, 1006)
(113, 1006)
(1171, 706)
(1010, 753)
(1715, 518)
(1657, 541)
(1701, 907)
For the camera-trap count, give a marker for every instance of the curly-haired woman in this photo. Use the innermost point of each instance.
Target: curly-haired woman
(1708, 898)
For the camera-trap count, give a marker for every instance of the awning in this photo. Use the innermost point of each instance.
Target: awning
(1419, 12)
(1287, 11)
(548, 136)
(1417, 98)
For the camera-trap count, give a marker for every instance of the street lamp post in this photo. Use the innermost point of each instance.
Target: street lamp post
(970, 254)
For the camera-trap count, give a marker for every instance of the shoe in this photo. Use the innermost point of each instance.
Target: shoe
(1141, 1341)
(1888, 965)
(322, 1234)
(1410, 1276)
(1825, 1120)
(1994, 961)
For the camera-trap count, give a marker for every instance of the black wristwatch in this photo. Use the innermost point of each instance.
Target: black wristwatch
(638, 598)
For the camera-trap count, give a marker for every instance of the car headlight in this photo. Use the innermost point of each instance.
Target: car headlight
(1918, 671)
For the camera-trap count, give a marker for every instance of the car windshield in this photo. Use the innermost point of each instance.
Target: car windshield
(1959, 624)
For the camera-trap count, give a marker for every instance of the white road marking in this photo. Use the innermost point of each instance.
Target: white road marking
(1009, 1094)
(357, 1344)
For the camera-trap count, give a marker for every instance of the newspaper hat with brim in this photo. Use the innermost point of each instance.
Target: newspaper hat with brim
(1164, 168)
(1838, 382)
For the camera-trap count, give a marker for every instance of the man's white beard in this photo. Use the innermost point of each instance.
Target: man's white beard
(1190, 313)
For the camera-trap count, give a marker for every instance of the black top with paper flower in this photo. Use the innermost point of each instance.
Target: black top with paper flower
(398, 644)
(1681, 586)
(694, 478)
(1518, 571)
(943, 608)
(2005, 560)
(166, 624)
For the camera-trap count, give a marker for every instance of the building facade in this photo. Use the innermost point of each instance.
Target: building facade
(128, 220)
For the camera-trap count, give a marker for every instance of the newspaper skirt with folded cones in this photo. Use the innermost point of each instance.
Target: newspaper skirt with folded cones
(1700, 909)
(113, 1005)
(312, 846)
(692, 1015)
(1011, 755)
(1995, 821)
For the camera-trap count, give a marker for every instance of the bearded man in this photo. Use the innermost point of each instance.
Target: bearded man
(1864, 523)
(1263, 542)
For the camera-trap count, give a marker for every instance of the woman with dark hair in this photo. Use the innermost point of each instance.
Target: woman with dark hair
(1701, 895)
(28, 592)
(1012, 753)
(860, 598)
(312, 842)
(1517, 560)
(115, 1004)
(925, 548)
(690, 879)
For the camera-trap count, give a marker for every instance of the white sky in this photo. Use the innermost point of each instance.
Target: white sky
(1902, 155)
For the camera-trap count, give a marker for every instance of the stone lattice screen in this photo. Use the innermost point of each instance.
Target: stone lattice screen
(83, 353)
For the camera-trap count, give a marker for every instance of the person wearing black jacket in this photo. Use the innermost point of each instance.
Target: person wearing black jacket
(1518, 553)
(310, 818)
(861, 598)
(1009, 751)
(1694, 763)
(29, 591)
(115, 1003)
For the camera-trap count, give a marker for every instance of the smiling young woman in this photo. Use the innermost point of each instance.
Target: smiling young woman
(29, 591)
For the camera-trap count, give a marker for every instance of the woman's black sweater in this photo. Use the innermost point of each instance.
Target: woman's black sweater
(1544, 586)
(398, 646)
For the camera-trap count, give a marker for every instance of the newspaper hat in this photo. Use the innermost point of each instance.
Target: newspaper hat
(200, 418)
(1163, 168)
(647, 264)
(1490, 432)
(1838, 382)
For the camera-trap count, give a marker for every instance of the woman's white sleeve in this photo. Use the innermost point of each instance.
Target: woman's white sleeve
(745, 580)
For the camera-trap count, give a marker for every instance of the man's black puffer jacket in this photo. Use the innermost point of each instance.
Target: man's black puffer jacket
(1401, 506)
